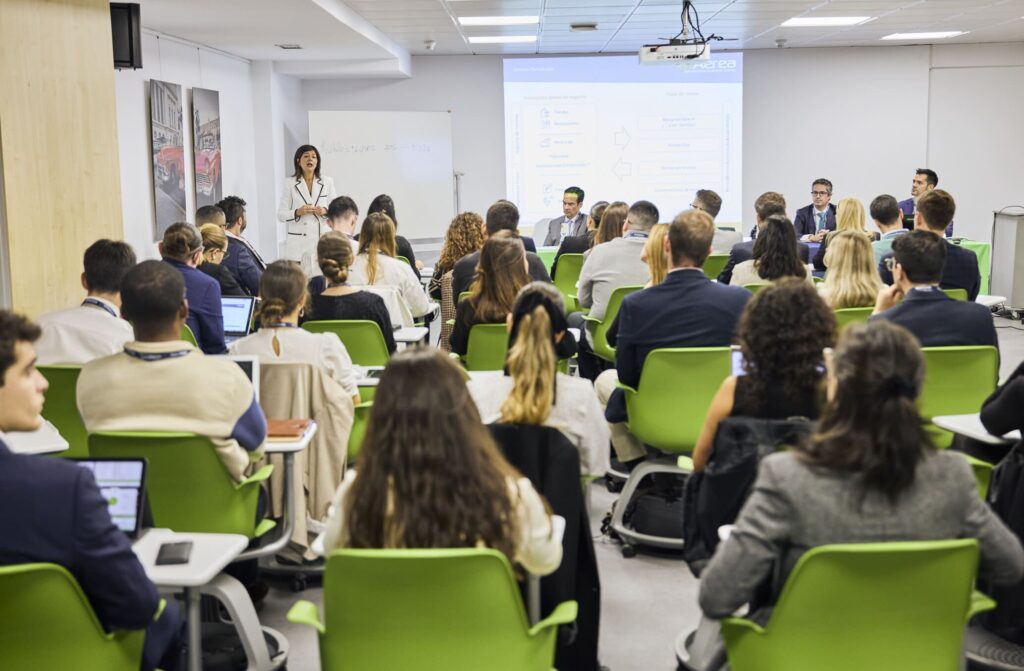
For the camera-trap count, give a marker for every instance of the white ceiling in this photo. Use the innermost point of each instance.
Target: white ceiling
(376, 37)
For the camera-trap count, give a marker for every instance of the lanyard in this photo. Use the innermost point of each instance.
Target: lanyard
(156, 356)
(282, 325)
(635, 234)
(102, 306)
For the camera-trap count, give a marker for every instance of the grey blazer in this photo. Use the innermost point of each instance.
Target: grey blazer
(795, 507)
(554, 236)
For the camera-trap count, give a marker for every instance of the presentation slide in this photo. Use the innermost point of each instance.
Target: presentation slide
(623, 131)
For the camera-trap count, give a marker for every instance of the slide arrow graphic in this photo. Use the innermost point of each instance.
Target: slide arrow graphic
(622, 169)
(621, 137)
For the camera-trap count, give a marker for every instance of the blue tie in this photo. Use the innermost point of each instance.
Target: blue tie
(821, 221)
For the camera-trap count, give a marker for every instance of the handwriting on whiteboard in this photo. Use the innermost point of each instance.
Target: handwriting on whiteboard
(348, 148)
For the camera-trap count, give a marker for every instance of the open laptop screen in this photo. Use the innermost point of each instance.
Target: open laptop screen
(237, 312)
(122, 484)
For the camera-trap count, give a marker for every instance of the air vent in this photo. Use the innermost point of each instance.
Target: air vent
(289, 46)
(582, 27)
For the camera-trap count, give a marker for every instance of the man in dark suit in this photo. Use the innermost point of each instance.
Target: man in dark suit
(242, 259)
(55, 513)
(686, 310)
(766, 205)
(502, 216)
(935, 210)
(815, 220)
(915, 301)
(572, 221)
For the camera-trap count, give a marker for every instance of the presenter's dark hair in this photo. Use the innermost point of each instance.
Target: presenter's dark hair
(234, 207)
(643, 215)
(383, 203)
(709, 201)
(105, 263)
(922, 255)
(181, 241)
(14, 328)
(576, 191)
(502, 216)
(298, 154)
(824, 182)
(775, 251)
(769, 203)
(152, 293)
(937, 208)
(209, 214)
(341, 206)
(885, 209)
(689, 237)
(930, 176)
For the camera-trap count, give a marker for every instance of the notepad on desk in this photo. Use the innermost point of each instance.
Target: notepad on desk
(286, 430)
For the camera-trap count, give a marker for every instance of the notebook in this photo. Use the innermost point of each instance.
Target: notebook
(122, 483)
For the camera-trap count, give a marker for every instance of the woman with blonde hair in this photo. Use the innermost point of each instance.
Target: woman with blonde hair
(376, 265)
(531, 392)
(654, 254)
(852, 280)
(215, 248)
(849, 217)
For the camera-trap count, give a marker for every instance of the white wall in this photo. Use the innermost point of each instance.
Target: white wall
(177, 62)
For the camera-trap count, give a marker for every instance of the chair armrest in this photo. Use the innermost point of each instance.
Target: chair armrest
(258, 476)
(593, 320)
(979, 604)
(686, 463)
(740, 625)
(306, 612)
(564, 613)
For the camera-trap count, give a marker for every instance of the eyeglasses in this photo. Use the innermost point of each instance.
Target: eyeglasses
(819, 193)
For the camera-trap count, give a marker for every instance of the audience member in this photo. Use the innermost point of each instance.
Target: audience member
(94, 328)
(465, 235)
(339, 300)
(935, 210)
(925, 180)
(885, 212)
(775, 255)
(210, 214)
(159, 383)
(242, 259)
(182, 248)
(56, 514)
(501, 216)
(571, 223)
(686, 310)
(283, 298)
(814, 221)
(502, 273)
(1001, 412)
(376, 264)
(580, 244)
(915, 301)
(849, 217)
(782, 334)
(852, 281)
(342, 216)
(431, 476)
(532, 392)
(654, 255)
(708, 201)
(385, 205)
(766, 205)
(610, 227)
(215, 248)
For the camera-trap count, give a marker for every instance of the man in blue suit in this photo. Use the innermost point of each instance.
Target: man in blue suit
(915, 301)
(924, 181)
(242, 259)
(56, 514)
(815, 220)
(686, 310)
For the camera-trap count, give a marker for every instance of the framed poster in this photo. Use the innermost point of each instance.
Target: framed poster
(165, 110)
(206, 146)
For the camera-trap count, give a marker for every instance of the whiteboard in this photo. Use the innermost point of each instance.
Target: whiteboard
(407, 155)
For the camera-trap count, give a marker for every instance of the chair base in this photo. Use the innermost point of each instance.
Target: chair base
(630, 537)
(299, 575)
(986, 650)
(232, 595)
(682, 649)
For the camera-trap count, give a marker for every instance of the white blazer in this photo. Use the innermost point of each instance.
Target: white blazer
(303, 233)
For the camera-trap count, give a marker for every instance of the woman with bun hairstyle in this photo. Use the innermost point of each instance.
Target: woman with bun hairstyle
(341, 301)
(303, 205)
(182, 247)
(215, 248)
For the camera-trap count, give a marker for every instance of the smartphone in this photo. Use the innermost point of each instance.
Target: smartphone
(174, 553)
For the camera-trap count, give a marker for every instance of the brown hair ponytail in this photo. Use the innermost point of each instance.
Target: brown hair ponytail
(334, 254)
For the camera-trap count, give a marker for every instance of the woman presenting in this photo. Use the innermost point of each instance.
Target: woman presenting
(303, 206)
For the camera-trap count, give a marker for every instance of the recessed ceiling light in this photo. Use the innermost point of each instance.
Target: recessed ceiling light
(825, 21)
(499, 20)
(940, 35)
(289, 46)
(503, 39)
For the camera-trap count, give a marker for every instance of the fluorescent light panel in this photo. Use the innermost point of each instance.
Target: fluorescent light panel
(825, 21)
(940, 35)
(499, 20)
(503, 39)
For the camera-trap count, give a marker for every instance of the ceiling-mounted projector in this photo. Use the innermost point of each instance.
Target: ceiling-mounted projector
(651, 54)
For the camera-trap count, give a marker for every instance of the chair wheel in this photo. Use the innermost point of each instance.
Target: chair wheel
(613, 485)
(299, 583)
(628, 550)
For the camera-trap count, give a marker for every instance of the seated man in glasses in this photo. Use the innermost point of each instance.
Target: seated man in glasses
(815, 220)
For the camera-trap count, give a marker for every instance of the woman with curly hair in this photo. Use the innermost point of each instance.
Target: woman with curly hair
(465, 235)
(775, 255)
(782, 334)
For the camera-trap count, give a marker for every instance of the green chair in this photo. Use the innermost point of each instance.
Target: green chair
(61, 408)
(982, 474)
(666, 411)
(567, 273)
(547, 256)
(714, 265)
(754, 288)
(956, 294)
(817, 280)
(431, 610)
(361, 337)
(598, 328)
(188, 487)
(358, 432)
(402, 258)
(871, 606)
(487, 346)
(48, 623)
(847, 316)
(957, 381)
(464, 295)
(188, 336)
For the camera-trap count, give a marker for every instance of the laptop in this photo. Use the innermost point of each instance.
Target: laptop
(237, 311)
(250, 365)
(122, 483)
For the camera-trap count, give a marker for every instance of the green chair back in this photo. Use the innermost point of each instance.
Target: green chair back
(358, 432)
(487, 346)
(847, 316)
(61, 408)
(361, 337)
(956, 294)
(383, 610)
(713, 265)
(402, 258)
(667, 409)
(48, 623)
(567, 273)
(188, 336)
(599, 327)
(754, 288)
(187, 485)
(872, 606)
(957, 381)
(464, 295)
(817, 280)
(982, 475)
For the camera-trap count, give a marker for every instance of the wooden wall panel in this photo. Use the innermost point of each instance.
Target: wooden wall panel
(58, 135)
